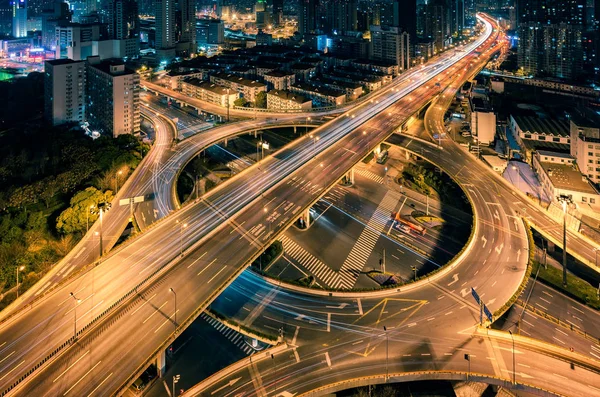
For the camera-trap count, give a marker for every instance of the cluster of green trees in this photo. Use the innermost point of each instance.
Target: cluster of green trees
(49, 179)
(260, 102)
(427, 180)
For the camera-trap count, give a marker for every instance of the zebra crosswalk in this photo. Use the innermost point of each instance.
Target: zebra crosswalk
(235, 337)
(370, 175)
(307, 260)
(362, 249)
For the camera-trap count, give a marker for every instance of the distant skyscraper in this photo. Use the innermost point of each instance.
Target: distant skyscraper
(277, 12)
(123, 19)
(307, 18)
(341, 15)
(437, 25)
(164, 11)
(550, 37)
(187, 27)
(19, 20)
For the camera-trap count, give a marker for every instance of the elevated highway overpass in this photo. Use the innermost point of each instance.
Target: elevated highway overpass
(117, 337)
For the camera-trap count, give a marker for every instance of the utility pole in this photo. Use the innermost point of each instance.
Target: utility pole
(565, 201)
(382, 262)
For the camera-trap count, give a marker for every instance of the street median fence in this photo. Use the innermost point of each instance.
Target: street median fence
(500, 312)
(558, 321)
(429, 376)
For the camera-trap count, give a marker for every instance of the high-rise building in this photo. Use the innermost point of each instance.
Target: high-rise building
(405, 17)
(51, 18)
(277, 12)
(390, 43)
(64, 91)
(19, 18)
(341, 16)
(307, 16)
(113, 103)
(123, 20)
(75, 40)
(551, 37)
(211, 31)
(437, 26)
(186, 28)
(164, 11)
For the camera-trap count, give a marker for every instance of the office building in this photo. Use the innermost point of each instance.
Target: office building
(287, 101)
(209, 92)
(75, 41)
(112, 92)
(64, 91)
(390, 43)
(585, 145)
(164, 11)
(19, 18)
(437, 24)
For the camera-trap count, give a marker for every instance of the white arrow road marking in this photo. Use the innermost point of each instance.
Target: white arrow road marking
(285, 394)
(510, 350)
(496, 215)
(155, 213)
(228, 384)
(521, 374)
(454, 279)
(464, 292)
(341, 306)
(518, 254)
(499, 248)
(484, 241)
(491, 301)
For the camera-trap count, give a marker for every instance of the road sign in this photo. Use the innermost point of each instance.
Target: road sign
(487, 312)
(131, 200)
(476, 296)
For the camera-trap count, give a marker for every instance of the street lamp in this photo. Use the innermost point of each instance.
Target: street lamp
(21, 268)
(77, 302)
(315, 139)
(227, 104)
(175, 381)
(515, 168)
(565, 200)
(386, 354)
(102, 208)
(87, 218)
(181, 227)
(175, 301)
(414, 269)
(306, 127)
(513, 354)
(117, 181)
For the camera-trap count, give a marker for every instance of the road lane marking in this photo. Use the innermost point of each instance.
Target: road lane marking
(425, 354)
(545, 300)
(143, 304)
(360, 309)
(7, 356)
(206, 267)
(197, 259)
(447, 313)
(295, 335)
(8, 373)
(83, 377)
(358, 342)
(580, 311)
(219, 272)
(561, 331)
(101, 383)
(154, 312)
(296, 355)
(328, 322)
(431, 319)
(554, 337)
(168, 320)
(328, 359)
(411, 325)
(70, 366)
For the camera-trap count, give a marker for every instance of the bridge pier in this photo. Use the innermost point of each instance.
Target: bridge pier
(348, 179)
(161, 363)
(305, 220)
(225, 144)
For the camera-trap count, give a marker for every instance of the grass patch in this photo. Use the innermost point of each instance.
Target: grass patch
(576, 288)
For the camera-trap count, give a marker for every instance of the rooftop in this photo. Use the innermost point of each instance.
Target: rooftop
(320, 90)
(238, 80)
(567, 177)
(290, 96)
(279, 73)
(537, 125)
(66, 61)
(217, 89)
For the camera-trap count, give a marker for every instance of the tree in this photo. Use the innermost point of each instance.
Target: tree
(261, 100)
(241, 102)
(76, 217)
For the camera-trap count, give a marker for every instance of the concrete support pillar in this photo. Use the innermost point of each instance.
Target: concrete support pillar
(255, 133)
(306, 218)
(350, 176)
(378, 149)
(225, 144)
(406, 154)
(161, 363)
(294, 129)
